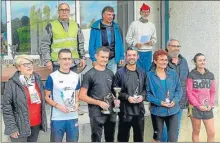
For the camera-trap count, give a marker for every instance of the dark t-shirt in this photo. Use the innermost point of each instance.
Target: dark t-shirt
(99, 85)
(132, 84)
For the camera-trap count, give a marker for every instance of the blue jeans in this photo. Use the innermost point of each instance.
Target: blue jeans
(59, 127)
(144, 61)
(164, 134)
(112, 65)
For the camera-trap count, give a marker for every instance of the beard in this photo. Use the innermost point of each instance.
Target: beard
(131, 62)
(174, 54)
(144, 17)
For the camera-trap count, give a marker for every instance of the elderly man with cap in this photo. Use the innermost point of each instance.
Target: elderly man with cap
(142, 34)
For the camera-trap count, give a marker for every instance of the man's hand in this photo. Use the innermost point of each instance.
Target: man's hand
(94, 63)
(82, 63)
(139, 99)
(15, 134)
(138, 45)
(103, 105)
(150, 43)
(49, 65)
(62, 108)
(132, 99)
(117, 103)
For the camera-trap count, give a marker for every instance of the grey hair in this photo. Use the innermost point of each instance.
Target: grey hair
(19, 58)
(102, 48)
(170, 40)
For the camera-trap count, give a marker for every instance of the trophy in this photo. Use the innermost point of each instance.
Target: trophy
(206, 103)
(106, 99)
(117, 91)
(167, 99)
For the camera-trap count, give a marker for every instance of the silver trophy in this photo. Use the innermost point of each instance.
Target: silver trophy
(117, 91)
(107, 100)
(167, 99)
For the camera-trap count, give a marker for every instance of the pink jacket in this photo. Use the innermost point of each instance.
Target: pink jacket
(200, 88)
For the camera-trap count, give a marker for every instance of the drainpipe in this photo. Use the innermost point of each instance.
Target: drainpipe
(167, 16)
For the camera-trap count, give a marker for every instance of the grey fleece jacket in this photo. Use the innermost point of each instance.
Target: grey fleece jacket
(47, 40)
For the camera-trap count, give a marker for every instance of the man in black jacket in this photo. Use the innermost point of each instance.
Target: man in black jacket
(132, 81)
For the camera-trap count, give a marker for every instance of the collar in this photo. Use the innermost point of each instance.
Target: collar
(62, 21)
(143, 20)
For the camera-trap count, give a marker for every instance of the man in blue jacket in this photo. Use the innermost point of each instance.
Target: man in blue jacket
(106, 32)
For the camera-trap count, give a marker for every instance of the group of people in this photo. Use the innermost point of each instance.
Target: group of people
(110, 92)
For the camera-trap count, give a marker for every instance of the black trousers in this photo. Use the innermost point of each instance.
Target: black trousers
(32, 138)
(171, 123)
(97, 124)
(125, 124)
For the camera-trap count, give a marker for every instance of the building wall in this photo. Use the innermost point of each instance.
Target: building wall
(197, 26)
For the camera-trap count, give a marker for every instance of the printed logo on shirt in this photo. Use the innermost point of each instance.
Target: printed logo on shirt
(201, 83)
(60, 81)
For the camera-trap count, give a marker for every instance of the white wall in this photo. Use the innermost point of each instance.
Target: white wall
(197, 25)
(154, 17)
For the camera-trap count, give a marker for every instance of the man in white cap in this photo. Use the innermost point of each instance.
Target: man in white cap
(142, 34)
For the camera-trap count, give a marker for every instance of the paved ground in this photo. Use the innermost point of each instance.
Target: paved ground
(185, 131)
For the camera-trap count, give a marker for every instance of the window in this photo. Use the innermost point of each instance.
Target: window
(28, 20)
(4, 48)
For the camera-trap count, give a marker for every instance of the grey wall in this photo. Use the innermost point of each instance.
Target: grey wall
(197, 25)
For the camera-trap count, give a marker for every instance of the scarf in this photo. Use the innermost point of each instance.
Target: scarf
(30, 84)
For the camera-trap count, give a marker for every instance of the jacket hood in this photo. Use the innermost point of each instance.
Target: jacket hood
(97, 24)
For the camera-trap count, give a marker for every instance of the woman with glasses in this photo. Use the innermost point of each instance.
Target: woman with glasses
(24, 103)
(164, 93)
(201, 92)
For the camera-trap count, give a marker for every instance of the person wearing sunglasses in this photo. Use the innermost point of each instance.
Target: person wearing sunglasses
(63, 33)
(23, 103)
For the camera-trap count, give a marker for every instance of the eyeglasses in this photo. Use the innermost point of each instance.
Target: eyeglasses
(28, 64)
(64, 10)
(65, 59)
(175, 46)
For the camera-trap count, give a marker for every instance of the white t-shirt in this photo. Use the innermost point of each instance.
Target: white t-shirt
(63, 87)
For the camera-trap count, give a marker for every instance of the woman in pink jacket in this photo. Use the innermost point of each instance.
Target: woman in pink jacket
(201, 92)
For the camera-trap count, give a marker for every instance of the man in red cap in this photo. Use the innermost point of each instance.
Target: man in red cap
(142, 35)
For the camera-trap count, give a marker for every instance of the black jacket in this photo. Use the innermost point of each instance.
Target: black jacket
(120, 80)
(15, 108)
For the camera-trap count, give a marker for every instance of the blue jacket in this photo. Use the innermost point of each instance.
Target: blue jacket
(182, 70)
(95, 41)
(156, 92)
